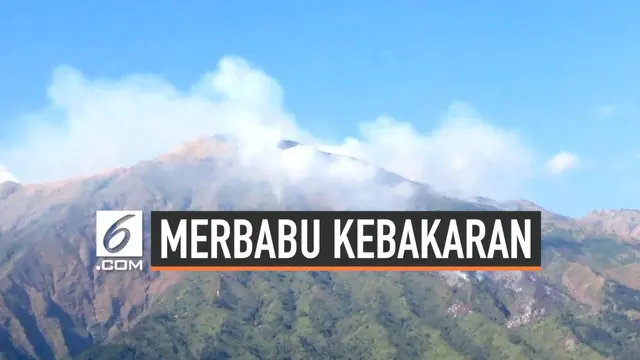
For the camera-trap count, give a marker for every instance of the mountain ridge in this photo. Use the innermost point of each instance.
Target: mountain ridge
(216, 145)
(226, 146)
(54, 304)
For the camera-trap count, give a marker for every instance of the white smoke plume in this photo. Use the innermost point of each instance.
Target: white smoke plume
(95, 124)
(6, 176)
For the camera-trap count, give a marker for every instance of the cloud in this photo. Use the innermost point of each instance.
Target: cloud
(95, 124)
(6, 176)
(464, 156)
(561, 162)
(607, 111)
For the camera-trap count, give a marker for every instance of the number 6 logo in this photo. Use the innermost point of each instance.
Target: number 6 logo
(114, 230)
(119, 233)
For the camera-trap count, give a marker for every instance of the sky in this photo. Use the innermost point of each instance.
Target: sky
(510, 100)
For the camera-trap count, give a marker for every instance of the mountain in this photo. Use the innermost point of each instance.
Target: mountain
(585, 304)
(623, 223)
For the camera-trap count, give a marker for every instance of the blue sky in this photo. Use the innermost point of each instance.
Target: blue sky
(564, 75)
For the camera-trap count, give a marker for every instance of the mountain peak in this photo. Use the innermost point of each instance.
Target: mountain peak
(287, 144)
(216, 145)
(201, 148)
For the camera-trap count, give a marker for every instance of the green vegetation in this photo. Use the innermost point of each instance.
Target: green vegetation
(337, 316)
(379, 316)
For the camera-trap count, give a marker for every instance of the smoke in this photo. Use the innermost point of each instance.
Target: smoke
(6, 176)
(94, 124)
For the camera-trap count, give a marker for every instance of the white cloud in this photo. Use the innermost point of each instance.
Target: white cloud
(465, 156)
(607, 111)
(561, 162)
(6, 176)
(94, 124)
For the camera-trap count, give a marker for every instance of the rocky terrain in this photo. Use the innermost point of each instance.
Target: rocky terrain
(585, 304)
(624, 224)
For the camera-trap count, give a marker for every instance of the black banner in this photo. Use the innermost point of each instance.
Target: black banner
(345, 240)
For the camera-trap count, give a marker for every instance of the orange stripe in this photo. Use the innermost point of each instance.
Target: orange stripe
(346, 268)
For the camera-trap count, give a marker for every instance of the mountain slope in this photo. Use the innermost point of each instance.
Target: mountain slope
(336, 316)
(624, 223)
(54, 304)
